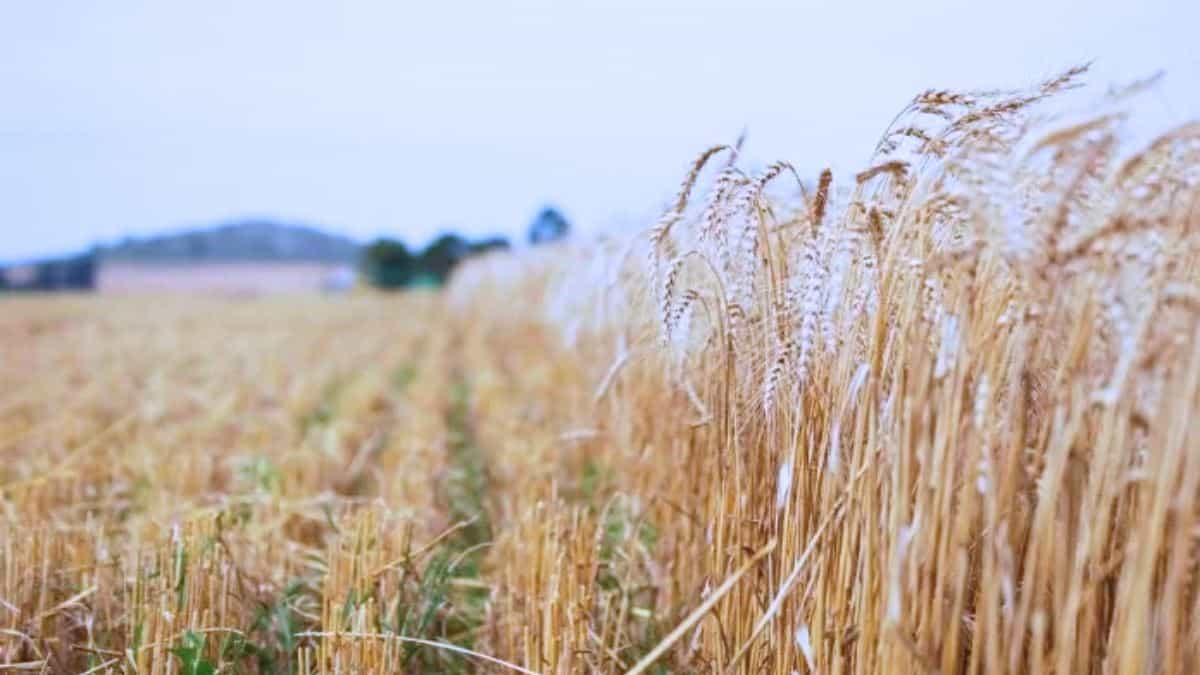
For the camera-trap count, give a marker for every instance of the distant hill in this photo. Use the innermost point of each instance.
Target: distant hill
(257, 241)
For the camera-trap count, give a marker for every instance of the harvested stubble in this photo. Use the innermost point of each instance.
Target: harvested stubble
(936, 420)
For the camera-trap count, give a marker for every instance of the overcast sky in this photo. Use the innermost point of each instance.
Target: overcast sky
(407, 118)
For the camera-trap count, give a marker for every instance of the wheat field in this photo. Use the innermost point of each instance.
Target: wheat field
(935, 417)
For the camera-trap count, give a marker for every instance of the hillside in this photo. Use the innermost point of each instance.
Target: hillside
(242, 241)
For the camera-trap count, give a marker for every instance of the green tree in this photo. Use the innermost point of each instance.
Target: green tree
(388, 264)
(549, 226)
(442, 255)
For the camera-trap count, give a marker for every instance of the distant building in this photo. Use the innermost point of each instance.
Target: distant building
(76, 273)
(243, 258)
(238, 278)
(20, 276)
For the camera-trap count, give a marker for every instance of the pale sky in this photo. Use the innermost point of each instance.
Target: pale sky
(407, 118)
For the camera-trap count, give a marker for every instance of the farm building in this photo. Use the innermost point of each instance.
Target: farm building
(242, 258)
(63, 274)
(250, 278)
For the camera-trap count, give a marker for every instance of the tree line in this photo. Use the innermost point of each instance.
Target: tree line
(388, 263)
